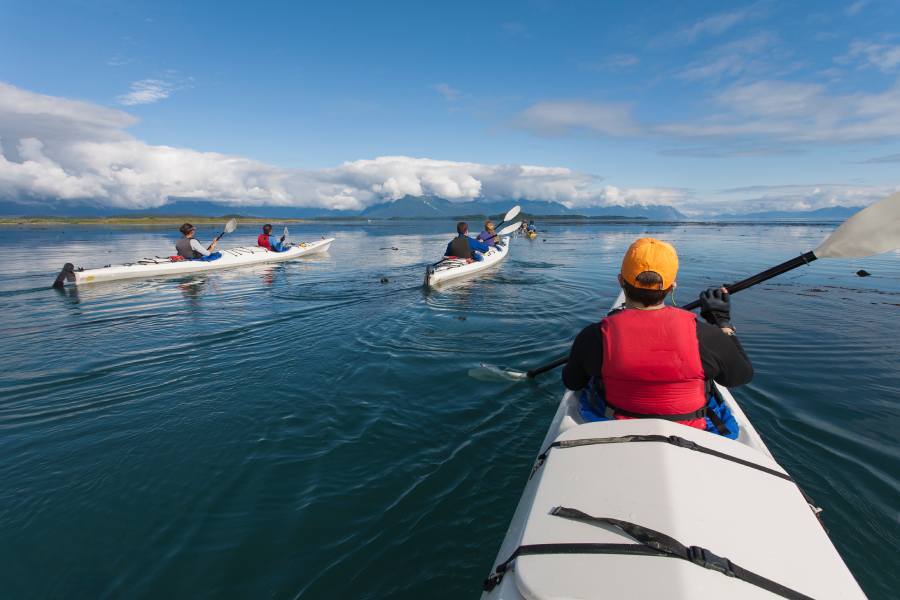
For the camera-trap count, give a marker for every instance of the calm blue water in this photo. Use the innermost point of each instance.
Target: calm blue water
(307, 431)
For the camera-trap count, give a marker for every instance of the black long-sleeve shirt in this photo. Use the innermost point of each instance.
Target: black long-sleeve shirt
(722, 356)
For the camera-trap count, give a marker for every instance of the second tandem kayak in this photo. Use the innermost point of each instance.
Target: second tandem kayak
(159, 267)
(609, 504)
(453, 268)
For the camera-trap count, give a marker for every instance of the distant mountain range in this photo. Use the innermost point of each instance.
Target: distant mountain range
(408, 207)
(832, 213)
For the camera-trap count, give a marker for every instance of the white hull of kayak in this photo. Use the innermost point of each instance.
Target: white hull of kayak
(757, 520)
(233, 257)
(449, 269)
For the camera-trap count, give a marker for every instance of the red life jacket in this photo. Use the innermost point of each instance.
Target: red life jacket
(263, 240)
(651, 365)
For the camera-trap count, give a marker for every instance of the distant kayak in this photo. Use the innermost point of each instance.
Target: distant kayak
(610, 504)
(453, 268)
(532, 234)
(160, 267)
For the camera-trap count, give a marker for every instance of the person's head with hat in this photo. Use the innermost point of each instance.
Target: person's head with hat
(648, 272)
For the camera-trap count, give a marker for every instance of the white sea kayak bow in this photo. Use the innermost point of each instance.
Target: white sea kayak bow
(650, 509)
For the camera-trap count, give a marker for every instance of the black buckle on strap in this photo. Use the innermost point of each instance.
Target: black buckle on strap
(681, 442)
(705, 558)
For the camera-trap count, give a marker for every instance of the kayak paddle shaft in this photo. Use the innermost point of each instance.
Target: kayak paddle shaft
(788, 265)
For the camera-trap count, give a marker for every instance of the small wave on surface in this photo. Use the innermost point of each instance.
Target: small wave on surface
(486, 372)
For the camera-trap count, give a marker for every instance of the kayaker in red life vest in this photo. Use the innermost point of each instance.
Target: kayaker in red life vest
(652, 360)
(268, 241)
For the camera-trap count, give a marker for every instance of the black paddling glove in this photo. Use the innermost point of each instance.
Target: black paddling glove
(715, 307)
(282, 239)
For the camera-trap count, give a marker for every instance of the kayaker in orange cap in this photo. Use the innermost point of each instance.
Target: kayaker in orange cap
(649, 360)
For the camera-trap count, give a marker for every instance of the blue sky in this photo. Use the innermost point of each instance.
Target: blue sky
(706, 105)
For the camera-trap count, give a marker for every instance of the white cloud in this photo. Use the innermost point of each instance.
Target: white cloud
(772, 111)
(716, 24)
(856, 7)
(796, 113)
(876, 160)
(758, 53)
(799, 197)
(615, 62)
(885, 57)
(118, 61)
(56, 148)
(449, 93)
(147, 91)
(553, 118)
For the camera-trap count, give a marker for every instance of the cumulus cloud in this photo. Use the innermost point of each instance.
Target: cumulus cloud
(56, 148)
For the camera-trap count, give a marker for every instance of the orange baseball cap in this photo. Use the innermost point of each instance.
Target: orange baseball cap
(649, 254)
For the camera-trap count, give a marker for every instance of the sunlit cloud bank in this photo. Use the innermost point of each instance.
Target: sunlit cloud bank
(57, 148)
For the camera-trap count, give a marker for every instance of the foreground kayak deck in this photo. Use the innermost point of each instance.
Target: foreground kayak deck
(757, 519)
(454, 268)
(233, 257)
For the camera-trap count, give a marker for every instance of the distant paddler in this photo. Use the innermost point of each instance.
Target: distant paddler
(267, 240)
(189, 248)
(489, 235)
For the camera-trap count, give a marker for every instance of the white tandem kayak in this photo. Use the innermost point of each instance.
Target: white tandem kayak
(161, 267)
(453, 268)
(650, 509)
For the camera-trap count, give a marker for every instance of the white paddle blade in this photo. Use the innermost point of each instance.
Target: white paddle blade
(513, 213)
(873, 230)
(230, 226)
(285, 233)
(511, 228)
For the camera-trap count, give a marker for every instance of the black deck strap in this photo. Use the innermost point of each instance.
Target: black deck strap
(697, 414)
(583, 548)
(672, 547)
(674, 440)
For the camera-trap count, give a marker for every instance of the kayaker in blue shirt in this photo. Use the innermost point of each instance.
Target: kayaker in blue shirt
(463, 246)
(488, 236)
(531, 226)
(268, 241)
